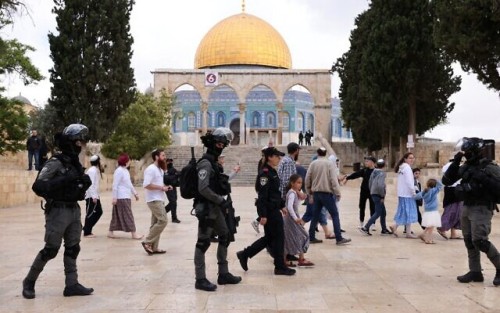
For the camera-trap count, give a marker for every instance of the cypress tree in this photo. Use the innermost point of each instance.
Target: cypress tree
(92, 79)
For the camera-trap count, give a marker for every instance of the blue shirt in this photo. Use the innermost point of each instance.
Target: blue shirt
(430, 197)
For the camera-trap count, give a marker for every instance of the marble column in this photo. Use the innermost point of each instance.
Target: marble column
(204, 117)
(279, 134)
(243, 108)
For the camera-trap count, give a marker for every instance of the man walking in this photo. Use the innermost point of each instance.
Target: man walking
(33, 147)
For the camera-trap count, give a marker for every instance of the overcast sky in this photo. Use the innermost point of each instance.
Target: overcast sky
(167, 33)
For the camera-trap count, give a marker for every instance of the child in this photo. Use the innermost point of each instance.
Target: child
(431, 216)
(296, 237)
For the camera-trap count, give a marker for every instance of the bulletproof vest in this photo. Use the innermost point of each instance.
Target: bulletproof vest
(76, 187)
(219, 182)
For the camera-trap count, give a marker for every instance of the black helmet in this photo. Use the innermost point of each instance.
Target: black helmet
(76, 132)
(472, 147)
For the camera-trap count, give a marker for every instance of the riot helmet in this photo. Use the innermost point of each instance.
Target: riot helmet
(211, 140)
(71, 139)
(472, 147)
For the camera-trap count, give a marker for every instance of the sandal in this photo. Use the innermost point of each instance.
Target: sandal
(442, 234)
(159, 251)
(305, 262)
(147, 247)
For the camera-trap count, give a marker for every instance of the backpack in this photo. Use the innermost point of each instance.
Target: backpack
(188, 179)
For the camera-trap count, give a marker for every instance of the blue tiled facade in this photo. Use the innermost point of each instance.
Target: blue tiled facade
(298, 114)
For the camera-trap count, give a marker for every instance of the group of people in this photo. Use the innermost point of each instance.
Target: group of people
(37, 150)
(62, 182)
(307, 137)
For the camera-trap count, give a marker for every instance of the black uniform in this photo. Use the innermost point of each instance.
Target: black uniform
(172, 179)
(269, 205)
(364, 193)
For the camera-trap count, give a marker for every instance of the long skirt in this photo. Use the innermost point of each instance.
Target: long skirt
(296, 237)
(406, 212)
(122, 217)
(451, 216)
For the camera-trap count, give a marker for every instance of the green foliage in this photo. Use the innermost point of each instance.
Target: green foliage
(92, 78)
(13, 59)
(43, 121)
(13, 126)
(392, 68)
(145, 125)
(469, 31)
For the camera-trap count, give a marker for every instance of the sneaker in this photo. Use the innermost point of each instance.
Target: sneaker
(343, 241)
(471, 277)
(365, 231)
(204, 284)
(284, 271)
(228, 278)
(255, 224)
(386, 232)
(77, 290)
(28, 289)
(243, 260)
(316, 240)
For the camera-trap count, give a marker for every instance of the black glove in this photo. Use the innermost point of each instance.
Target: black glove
(458, 157)
(226, 205)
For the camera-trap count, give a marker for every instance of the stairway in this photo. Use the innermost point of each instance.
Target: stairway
(247, 156)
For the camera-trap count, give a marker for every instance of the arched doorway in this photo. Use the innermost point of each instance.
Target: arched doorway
(235, 128)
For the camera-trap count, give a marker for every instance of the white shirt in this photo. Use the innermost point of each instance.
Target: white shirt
(406, 182)
(122, 185)
(93, 191)
(153, 175)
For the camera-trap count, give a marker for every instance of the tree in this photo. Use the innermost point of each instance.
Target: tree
(13, 60)
(145, 125)
(92, 79)
(393, 72)
(469, 31)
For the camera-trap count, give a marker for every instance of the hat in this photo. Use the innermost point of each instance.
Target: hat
(292, 147)
(380, 162)
(272, 151)
(123, 159)
(263, 148)
(94, 158)
(371, 158)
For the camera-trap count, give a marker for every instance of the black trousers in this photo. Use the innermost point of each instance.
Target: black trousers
(94, 212)
(172, 203)
(274, 237)
(363, 196)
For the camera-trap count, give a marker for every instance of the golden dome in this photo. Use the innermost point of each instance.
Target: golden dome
(243, 39)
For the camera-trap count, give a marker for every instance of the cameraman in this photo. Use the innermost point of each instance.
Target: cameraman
(476, 190)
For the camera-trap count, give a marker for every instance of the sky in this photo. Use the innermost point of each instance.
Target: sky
(167, 33)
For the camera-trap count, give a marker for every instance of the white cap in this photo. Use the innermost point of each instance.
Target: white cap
(94, 158)
(263, 148)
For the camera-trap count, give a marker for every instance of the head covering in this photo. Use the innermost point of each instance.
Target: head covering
(94, 158)
(380, 163)
(123, 159)
(272, 151)
(263, 148)
(371, 158)
(292, 147)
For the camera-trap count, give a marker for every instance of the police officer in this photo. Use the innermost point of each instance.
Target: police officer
(270, 207)
(476, 189)
(62, 183)
(210, 208)
(171, 178)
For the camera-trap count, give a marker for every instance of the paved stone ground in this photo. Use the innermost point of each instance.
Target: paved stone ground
(373, 274)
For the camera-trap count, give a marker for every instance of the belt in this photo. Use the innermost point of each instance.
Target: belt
(64, 204)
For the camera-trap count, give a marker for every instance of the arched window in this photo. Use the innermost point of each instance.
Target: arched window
(221, 119)
(270, 118)
(255, 119)
(209, 119)
(178, 122)
(300, 121)
(286, 120)
(191, 121)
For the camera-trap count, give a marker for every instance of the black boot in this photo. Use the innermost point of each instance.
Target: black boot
(284, 271)
(496, 280)
(228, 278)
(243, 259)
(28, 289)
(77, 290)
(471, 277)
(204, 284)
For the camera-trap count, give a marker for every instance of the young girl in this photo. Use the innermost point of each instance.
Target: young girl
(431, 217)
(296, 237)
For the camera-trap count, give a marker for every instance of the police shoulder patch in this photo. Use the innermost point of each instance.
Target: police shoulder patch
(202, 174)
(263, 180)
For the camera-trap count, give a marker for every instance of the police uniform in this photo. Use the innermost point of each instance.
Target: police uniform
(62, 183)
(211, 219)
(476, 215)
(269, 205)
